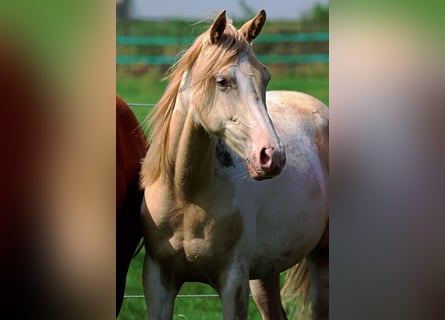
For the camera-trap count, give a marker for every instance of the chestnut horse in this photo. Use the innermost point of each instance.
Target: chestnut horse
(131, 146)
(237, 180)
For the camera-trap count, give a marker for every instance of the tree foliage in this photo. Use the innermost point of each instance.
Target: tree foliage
(318, 16)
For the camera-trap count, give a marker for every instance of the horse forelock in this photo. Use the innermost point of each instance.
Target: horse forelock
(203, 60)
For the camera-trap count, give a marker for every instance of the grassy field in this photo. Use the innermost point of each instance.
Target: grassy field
(143, 84)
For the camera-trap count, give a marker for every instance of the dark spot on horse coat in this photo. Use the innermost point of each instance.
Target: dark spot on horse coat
(223, 156)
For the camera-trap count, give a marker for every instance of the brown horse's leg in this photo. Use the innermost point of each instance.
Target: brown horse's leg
(128, 236)
(266, 293)
(318, 263)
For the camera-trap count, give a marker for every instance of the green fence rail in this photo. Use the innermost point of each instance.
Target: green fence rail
(276, 59)
(266, 38)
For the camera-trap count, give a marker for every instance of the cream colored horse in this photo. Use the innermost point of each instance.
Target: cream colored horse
(207, 216)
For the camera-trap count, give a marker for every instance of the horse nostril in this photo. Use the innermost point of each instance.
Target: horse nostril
(265, 157)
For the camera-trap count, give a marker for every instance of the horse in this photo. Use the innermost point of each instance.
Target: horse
(235, 181)
(131, 146)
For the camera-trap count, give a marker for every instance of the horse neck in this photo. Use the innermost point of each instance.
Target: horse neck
(192, 151)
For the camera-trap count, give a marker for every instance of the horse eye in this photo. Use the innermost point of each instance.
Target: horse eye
(223, 83)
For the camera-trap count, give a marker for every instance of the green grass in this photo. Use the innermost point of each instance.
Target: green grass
(316, 86)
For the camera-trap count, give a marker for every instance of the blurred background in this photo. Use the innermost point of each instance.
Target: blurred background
(294, 45)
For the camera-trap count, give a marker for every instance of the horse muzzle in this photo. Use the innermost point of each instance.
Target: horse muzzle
(267, 163)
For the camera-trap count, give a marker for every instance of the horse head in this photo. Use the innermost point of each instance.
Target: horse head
(226, 86)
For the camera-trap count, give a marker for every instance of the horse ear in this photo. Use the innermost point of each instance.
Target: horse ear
(252, 28)
(218, 26)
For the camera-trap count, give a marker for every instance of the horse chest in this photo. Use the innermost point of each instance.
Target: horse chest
(203, 234)
(210, 233)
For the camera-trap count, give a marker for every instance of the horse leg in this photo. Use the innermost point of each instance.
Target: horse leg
(318, 264)
(234, 291)
(160, 290)
(266, 293)
(128, 236)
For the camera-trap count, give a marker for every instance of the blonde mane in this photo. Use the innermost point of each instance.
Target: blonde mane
(204, 60)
